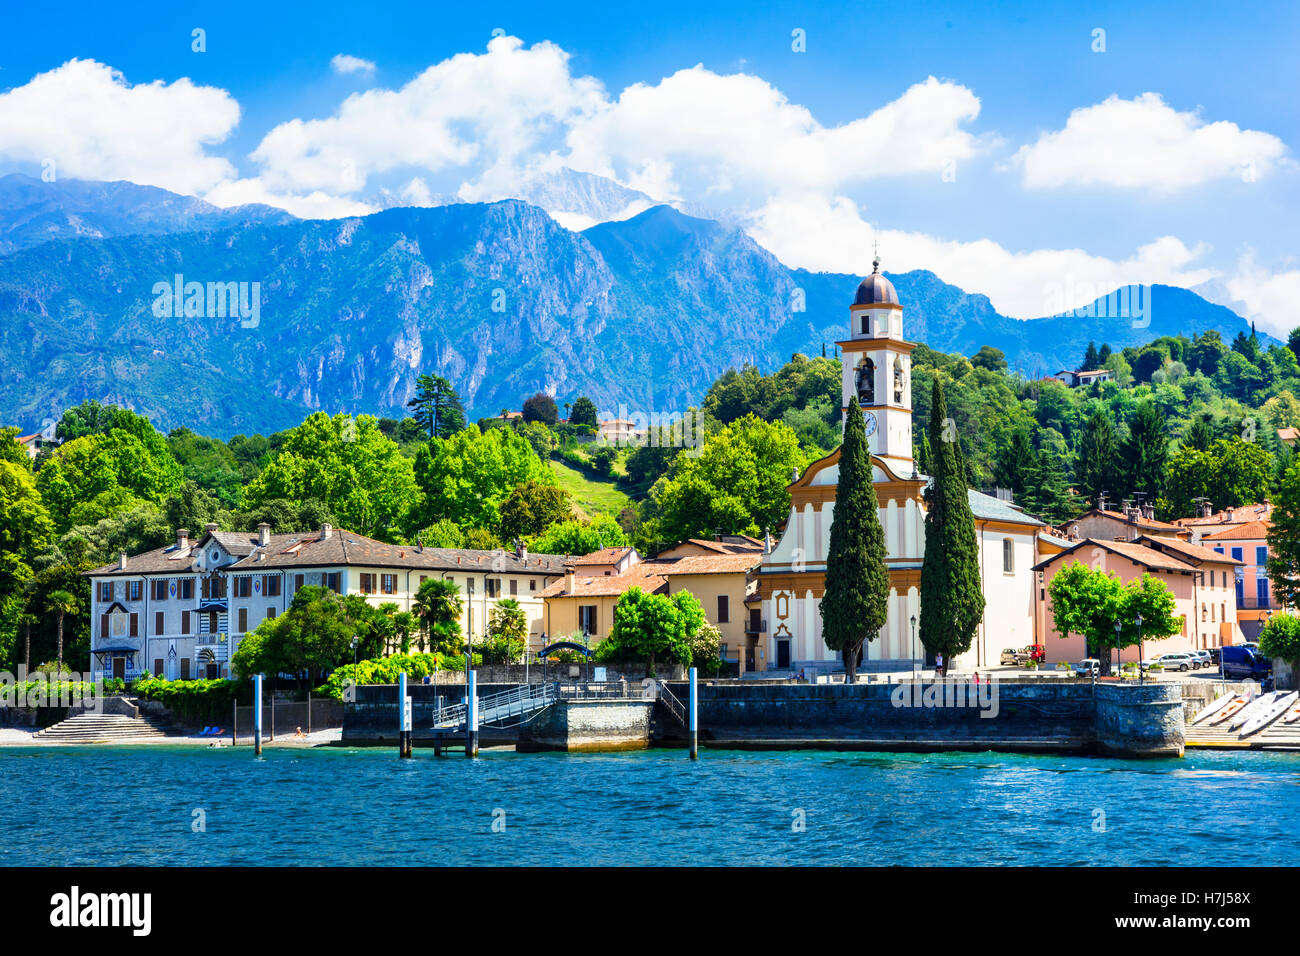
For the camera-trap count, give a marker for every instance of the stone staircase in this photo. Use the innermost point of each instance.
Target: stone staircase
(100, 729)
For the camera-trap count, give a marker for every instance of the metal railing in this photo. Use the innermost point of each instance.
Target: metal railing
(670, 701)
(515, 702)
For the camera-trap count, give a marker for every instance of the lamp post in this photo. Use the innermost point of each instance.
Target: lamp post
(913, 648)
(1141, 673)
(1118, 626)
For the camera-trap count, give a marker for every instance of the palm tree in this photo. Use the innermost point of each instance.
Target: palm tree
(509, 625)
(60, 603)
(438, 605)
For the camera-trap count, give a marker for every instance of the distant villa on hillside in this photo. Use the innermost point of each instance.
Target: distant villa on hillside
(1077, 379)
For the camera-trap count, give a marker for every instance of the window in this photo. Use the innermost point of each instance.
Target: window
(514, 587)
(587, 618)
(133, 590)
(297, 582)
(1211, 578)
(158, 622)
(332, 581)
(243, 619)
(185, 622)
(103, 625)
(157, 590)
(244, 586)
(1261, 556)
(367, 584)
(1008, 556)
(270, 613)
(106, 591)
(186, 590)
(270, 585)
(723, 609)
(532, 584)
(1236, 553)
(135, 625)
(493, 586)
(388, 584)
(1261, 591)
(469, 586)
(423, 578)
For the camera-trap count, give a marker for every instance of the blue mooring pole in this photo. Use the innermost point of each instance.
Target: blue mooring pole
(471, 713)
(695, 715)
(403, 718)
(257, 715)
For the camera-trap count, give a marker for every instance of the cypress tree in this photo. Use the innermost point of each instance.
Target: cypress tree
(1015, 462)
(952, 600)
(1091, 358)
(855, 603)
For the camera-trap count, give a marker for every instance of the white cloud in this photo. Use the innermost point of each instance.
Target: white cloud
(492, 111)
(93, 124)
(830, 235)
(1270, 297)
(1144, 143)
(345, 63)
(314, 205)
(703, 134)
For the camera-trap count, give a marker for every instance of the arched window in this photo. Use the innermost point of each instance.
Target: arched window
(866, 382)
(899, 380)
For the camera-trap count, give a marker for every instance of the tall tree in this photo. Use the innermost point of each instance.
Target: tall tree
(1015, 462)
(1284, 538)
(61, 604)
(1091, 358)
(855, 604)
(583, 412)
(1097, 466)
(541, 408)
(438, 606)
(437, 407)
(952, 599)
(1145, 454)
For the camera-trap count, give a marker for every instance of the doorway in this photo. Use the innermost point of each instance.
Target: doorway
(119, 668)
(783, 655)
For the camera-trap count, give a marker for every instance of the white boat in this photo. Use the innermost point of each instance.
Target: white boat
(1237, 702)
(1214, 708)
(1271, 712)
(1252, 710)
(1292, 715)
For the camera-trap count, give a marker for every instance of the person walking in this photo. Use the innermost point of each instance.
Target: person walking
(938, 665)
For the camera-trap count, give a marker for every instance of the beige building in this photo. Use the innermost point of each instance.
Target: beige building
(583, 604)
(1128, 524)
(181, 611)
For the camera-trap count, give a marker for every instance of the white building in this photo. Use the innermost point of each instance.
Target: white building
(181, 611)
(877, 368)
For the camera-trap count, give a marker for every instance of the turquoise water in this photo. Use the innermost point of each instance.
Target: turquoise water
(135, 805)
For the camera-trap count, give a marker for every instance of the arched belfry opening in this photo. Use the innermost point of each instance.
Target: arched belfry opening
(900, 380)
(865, 381)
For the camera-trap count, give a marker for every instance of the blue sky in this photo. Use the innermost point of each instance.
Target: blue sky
(992, 143)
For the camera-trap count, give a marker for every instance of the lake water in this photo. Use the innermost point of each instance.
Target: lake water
(136, 805)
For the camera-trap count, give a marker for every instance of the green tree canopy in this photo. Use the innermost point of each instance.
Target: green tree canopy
(346, 463)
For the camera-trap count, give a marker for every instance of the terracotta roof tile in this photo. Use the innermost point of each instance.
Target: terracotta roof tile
(1252, 529)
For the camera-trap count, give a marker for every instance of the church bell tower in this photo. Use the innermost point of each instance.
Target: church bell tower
(878, 370)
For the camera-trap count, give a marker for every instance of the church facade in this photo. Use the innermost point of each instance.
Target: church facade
(877, 369)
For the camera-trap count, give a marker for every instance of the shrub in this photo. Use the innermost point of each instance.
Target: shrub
(196, 701)
(384, 670)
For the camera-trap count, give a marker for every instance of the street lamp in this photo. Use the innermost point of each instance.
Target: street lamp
(913, 648)
(1141, 674)
(1118, 627)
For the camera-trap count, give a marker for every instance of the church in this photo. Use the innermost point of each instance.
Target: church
(877, 369)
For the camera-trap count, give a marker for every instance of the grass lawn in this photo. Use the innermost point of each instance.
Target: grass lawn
(589, 497)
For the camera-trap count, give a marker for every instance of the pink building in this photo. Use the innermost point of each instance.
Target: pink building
(1202, 582)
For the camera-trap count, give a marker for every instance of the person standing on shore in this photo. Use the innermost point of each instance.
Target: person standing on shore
(938, 665)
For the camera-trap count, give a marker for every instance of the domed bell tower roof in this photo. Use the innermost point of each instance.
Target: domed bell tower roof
(876, 289)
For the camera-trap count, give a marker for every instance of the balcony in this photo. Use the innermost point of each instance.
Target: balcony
(756, 627)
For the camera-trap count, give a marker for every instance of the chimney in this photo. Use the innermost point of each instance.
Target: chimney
(263, 534)
(568, 581)
(121, 560)
(210, 526)
(767, 541)
(521, 549)
(326, 531)
(1205, 509)
(182, 538)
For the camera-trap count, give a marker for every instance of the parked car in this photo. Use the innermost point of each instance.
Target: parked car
(1174, 662)
(1242, 660)
(1009, 656)
(1034, 652)
(1088, 667)
(1203, 658)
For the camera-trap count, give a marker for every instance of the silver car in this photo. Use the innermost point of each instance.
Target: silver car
(1203, 658)
(1175, 662)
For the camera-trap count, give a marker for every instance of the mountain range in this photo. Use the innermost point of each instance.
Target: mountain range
(641, 313)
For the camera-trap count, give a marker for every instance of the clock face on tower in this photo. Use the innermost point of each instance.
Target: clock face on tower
(869, 420)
